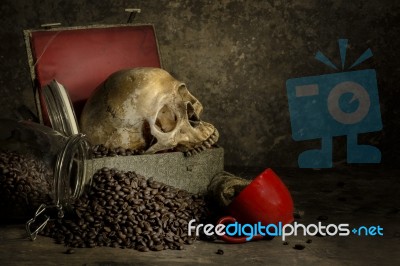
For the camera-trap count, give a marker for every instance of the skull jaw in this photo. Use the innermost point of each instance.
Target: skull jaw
(206, 144)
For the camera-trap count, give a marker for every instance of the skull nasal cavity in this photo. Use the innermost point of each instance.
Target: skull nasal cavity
(166, 119)
(193, 118)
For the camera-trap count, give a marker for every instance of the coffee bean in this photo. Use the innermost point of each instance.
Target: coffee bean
(189, 241)
(143, 184)
(158, 247)
(299, 247)
(142, 248)
(89, 218)
(70, 251)
(155, 185)
(169, 239)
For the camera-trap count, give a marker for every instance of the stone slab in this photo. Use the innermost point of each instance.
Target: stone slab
(190, 173)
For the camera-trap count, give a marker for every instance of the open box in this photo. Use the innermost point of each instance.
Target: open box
(81, 58)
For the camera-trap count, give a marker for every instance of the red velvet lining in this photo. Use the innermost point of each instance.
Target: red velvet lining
(81, 59)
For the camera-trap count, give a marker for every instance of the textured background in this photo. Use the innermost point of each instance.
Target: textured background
(235, 57)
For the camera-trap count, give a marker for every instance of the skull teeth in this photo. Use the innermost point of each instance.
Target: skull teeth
(212, 139)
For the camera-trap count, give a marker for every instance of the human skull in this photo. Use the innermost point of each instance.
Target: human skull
(146, 109)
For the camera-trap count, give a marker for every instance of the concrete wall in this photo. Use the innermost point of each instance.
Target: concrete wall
(235, 57)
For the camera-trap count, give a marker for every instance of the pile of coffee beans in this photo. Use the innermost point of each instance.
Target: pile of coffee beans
(100, 151)
(123, 209)
(24, 185)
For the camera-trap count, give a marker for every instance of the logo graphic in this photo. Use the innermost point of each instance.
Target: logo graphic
(253, 230)
(338, 104)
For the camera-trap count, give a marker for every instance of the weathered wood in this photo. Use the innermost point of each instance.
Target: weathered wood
(359, 196)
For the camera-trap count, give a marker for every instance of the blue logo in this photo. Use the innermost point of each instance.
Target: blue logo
(338, 104)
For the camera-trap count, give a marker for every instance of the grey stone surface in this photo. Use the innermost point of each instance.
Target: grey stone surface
(235, 57)
(192, 173)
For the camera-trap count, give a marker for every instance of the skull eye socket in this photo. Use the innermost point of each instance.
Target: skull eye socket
(166, 119)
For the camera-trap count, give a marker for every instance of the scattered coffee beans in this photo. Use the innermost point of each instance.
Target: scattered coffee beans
(220, 252)
(123, 209)
(70, 251)
(24, 185)
(299, 247)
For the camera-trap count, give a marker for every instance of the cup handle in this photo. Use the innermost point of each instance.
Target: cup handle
(234, 240)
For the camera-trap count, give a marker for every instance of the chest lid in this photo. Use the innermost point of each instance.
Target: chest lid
(81, 58)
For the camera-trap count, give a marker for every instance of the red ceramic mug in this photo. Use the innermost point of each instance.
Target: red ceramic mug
(266, 200)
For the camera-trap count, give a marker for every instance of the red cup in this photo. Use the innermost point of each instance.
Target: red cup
(266, 199)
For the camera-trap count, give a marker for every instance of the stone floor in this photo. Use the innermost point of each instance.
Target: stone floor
(359, 195)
